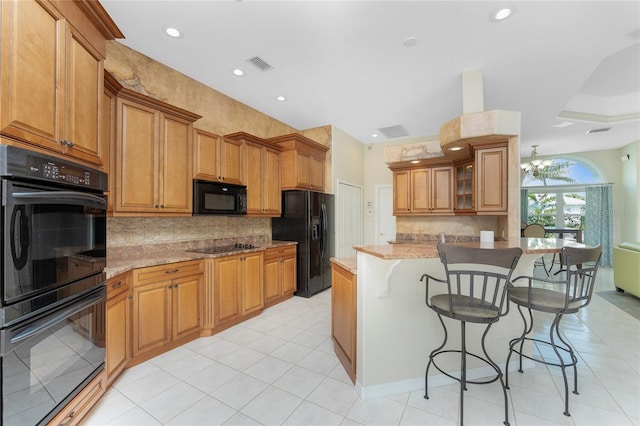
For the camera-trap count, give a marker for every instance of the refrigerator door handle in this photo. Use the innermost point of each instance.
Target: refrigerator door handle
(323, 220)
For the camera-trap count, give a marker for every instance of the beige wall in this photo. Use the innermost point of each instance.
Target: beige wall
(348, 159)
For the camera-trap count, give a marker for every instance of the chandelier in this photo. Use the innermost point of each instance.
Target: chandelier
(534, 166)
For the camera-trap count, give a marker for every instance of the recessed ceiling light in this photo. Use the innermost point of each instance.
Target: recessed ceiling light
(238, 72)
(173, 32)
(375, 135)
(501, 14)
(410, 41)
(415, 161)
(281, 98)
(455, 148)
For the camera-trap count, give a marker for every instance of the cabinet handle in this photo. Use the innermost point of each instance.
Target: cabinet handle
(63, 142)
(172, 271)
(70, 143)
(68, 419)
(117, 285)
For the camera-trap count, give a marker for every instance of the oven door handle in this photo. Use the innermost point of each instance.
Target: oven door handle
(11, 338)
(60, 197)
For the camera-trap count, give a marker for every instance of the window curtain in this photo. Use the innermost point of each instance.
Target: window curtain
(598, 220)
(524, 205)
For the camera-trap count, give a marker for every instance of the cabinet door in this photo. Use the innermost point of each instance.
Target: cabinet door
(226, 288)
(316, 173)
(463, 188)
(137, 162)
(32, 67)
(271, 193)
(303, 162)
(151, 322)
(205, 155)
(272, 280)
(230, 161)
(491, 180)
(442, 189)
(175, 164)
(289, 275)
(252, 283)
(253, 155)
(186, 305)
(84, 87)
(420, 185)
(401, 192)
(343, 317)
(118, 325)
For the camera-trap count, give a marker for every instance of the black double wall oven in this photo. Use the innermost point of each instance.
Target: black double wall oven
(52, 304)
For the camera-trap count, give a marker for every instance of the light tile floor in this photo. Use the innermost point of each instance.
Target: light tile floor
(279, 369)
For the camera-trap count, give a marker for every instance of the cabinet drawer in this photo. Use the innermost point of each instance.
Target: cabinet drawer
(81, 404)
(154, 274)
(118, 285)
(278, 252)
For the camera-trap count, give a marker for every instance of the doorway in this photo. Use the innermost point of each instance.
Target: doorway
(349, 220)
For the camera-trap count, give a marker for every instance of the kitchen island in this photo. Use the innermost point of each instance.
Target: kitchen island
(394, 329)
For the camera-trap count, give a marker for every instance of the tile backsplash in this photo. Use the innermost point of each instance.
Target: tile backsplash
(136, 231)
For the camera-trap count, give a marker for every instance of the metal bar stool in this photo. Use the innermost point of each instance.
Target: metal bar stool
(558, 297)
(476, 281)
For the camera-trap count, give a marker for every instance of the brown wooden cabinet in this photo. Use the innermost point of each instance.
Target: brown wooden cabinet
(261, 174)
(302, 162)
(343, 317)
(491, 180)
(464, 189)
(166, 306)
(118, 319)
(238, 282)
(217, 158)
(153, 161)
(51, 75)
(422, 191)
(279, 274)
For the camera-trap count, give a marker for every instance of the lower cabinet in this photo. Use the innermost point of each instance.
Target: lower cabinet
(79, 406)
(166, 307)
(238, 283)
(279, 274)
(343, 317)
(118, 330)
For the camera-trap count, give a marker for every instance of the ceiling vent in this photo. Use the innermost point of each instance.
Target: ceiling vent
(393, 132)
(601, 129)
(260, 63)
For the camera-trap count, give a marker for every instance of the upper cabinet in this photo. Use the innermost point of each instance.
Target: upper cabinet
(425, 190)
(51, 75)
(153, 157)
(491, 180)
(262, 174)
(463, 188)
(303, 162)
(217, 158)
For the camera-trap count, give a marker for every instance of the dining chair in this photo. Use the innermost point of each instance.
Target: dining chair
(475, 283)
(535, 230)
(558, 297)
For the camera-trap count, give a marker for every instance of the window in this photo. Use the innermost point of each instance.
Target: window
(556, 197)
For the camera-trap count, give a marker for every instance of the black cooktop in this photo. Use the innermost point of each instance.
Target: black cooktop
(224, 249)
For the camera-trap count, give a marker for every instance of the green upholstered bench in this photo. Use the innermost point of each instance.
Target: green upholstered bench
(626, 267)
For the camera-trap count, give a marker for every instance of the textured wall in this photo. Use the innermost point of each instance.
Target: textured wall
(221, 114)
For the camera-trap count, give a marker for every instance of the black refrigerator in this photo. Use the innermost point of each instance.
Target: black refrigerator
(307, 218)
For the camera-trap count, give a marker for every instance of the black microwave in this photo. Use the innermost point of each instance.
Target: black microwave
(219, 198)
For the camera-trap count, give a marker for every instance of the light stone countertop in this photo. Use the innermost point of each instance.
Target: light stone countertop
(126, 262)
(426, 250)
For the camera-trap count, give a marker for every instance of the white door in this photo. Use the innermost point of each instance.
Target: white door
(348, 220)
(385, 220)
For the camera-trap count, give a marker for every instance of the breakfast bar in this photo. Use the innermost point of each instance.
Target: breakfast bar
(394, 331)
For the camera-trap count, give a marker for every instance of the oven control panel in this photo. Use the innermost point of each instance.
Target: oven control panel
(18, 162)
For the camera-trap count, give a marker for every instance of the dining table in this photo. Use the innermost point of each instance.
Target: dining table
(562, 231)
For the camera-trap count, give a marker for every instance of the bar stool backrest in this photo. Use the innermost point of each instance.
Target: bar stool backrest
(477, 280)
(581, 264)
(534, 230)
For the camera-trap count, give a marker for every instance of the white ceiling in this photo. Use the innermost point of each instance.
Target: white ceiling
(344, 62)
